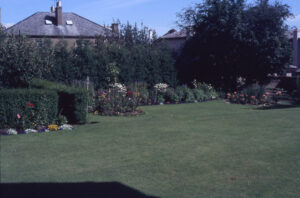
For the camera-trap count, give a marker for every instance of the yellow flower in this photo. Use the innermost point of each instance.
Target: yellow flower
(53, 127)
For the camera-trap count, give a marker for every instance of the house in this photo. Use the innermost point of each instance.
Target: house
(57, 25)
(175, 40)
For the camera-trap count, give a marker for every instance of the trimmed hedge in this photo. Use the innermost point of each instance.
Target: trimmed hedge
(27, 108)
(72, 101)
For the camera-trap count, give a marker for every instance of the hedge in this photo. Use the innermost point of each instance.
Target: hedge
(72, 102)
(27, 108)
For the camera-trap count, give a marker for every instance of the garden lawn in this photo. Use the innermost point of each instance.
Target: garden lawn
(210, 149)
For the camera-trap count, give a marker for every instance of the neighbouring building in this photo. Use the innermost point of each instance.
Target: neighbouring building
(57, 25)
(175, 40)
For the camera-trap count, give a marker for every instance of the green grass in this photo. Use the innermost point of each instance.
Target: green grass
(204, 150)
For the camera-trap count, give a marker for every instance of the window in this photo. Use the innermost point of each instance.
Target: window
(69, 22)
(48, 22)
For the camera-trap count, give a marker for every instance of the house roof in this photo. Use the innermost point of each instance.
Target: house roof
(35, 26)
(173, 34)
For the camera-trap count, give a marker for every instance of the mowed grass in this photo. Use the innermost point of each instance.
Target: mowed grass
(204, 150)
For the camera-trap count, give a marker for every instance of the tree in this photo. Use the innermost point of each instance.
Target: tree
(20, 61)
(232, 39)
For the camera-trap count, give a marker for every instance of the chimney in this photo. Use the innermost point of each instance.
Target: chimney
(115, 27)
(58, 13)
(52, 9)
(151, 36)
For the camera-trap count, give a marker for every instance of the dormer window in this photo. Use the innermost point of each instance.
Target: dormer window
(69, 22)
(48, 22)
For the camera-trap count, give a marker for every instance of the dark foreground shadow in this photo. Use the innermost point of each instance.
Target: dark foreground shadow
(72, 190)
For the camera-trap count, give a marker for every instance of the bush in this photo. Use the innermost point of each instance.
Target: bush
(72, 103)
(253, 94)
(254, 90)
(171, 96)
(185, 94)
(116, 102)
(199, 95)
(27, 108)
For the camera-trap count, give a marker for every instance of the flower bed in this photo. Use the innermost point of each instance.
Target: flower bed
(40, 130)
(120, 100)
(254, 95)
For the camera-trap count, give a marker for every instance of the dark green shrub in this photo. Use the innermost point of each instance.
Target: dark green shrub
(254, 90)
(199, 94)
(72, 103)
(185, 94)
(27, 108)
(171, 96)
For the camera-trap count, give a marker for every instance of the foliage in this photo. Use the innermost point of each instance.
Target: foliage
(72, 101)
(185, 94)
(27, 108)
(232, 39)
(200, 95)
(129, 58)
(171, 96)
(255, 95)
(61, 120)
(116, 102)
(22, 60)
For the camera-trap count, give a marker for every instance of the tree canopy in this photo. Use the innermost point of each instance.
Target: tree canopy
(232, 39)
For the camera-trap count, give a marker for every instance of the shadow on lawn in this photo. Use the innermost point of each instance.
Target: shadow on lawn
(73, 190)
(279, 106)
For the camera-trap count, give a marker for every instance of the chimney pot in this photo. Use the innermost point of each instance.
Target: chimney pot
(52, 9)
(115, 27)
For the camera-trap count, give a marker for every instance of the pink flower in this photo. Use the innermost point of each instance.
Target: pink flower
(18, 116)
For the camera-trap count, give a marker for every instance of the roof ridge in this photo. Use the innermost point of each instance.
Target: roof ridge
(89, 20)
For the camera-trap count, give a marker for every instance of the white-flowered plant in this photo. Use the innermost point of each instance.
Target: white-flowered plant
(12, 132)
(120, 87)
(30, 131)
(162, 87)
(66, 127)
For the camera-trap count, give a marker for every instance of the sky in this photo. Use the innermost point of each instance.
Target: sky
(159, 15)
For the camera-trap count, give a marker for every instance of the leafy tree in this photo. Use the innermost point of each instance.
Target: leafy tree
(232, 39)
(20, 61)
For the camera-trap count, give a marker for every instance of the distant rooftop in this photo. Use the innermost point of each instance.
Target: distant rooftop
(43, 24)
(173, 34)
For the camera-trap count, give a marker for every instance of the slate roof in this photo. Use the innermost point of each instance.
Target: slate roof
(35, 26)
(173, 34)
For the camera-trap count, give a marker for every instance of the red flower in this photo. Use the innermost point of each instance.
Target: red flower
(30, 105)
(18, 116)
(129, 93)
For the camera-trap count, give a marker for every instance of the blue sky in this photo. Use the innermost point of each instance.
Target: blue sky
(157, 14)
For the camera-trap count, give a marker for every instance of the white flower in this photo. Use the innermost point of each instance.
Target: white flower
(66, 127)
(30, 131)
(120, 87)
(12, 132)
(161, 87)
